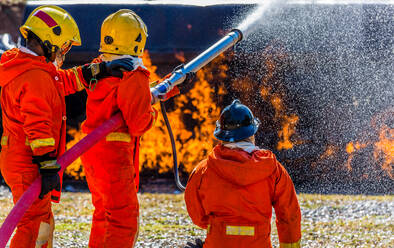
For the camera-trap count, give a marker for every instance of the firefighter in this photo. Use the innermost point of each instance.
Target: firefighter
(232, 192)
(34, 114)
(112, 166)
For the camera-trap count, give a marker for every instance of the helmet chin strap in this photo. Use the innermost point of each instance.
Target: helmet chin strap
(48, 49)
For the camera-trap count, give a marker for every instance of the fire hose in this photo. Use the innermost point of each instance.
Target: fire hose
(173, 146)
(158, 92)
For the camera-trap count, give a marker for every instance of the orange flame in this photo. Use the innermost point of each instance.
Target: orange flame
(384, 149)
(75, 169)
(288, 122)
(180, 56)
(192, 145)
(288, 129)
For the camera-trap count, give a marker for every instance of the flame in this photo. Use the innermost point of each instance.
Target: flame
(193, 144)
(384, 149)
(151, 68)
(180, 56)
(329, 152)
(351, 147)
(288, 129)
(288, 122)
(75, 169)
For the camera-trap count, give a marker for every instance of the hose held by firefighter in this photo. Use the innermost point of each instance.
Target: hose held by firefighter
(250, 181)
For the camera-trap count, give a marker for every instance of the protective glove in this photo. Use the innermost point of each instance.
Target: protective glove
(185, 86)
(48, 168)
(199, 244)
(116, 67)
(96, 71)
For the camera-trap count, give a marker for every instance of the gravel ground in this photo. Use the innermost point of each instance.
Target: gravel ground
(328, 220)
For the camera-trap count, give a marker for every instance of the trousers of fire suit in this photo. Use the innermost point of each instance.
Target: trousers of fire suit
(249, 185)
(111, 166)
(34, 123)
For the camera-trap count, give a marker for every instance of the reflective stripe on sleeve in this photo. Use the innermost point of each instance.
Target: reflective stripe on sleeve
(37, 143)
(80, 85)
(4, 140)
(240, 230)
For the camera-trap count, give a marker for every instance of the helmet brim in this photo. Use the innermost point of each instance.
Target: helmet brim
(236, 134)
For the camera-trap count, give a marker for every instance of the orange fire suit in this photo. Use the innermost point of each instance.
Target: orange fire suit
(34, 123)
(111, 166)
(231, 194)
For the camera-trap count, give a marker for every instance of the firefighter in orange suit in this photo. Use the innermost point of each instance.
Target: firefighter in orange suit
(111, 165)
(34, 115)
(232, 192)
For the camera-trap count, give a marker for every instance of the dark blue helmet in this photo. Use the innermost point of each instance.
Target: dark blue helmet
(236, 123)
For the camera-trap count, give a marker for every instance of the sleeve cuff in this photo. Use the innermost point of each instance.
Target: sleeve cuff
(80, 85)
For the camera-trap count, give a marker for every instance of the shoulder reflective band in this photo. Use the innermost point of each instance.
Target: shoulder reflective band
(240, 230)
(45, 18)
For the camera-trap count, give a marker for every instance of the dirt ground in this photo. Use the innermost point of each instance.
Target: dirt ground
(328, 220)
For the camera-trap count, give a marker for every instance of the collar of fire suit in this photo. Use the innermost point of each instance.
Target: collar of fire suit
(248, 147)
(27, 50)
(136, 61)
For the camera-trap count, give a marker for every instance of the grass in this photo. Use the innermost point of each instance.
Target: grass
(328, 220)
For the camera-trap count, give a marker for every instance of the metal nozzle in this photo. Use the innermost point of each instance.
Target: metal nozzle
(196, 64)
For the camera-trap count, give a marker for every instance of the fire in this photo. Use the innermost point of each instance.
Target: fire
(351, 147)
(193, 143)
(288, 129)
(384, 149)
(180, 56)
(75, 169)
(288, 122)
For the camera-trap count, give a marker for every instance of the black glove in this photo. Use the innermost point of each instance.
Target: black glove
(48, 168)
(114, 68)
(187, 84)
(198, 244)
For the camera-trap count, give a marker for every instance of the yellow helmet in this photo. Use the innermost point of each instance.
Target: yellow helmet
(123, 32)
(54, 26)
